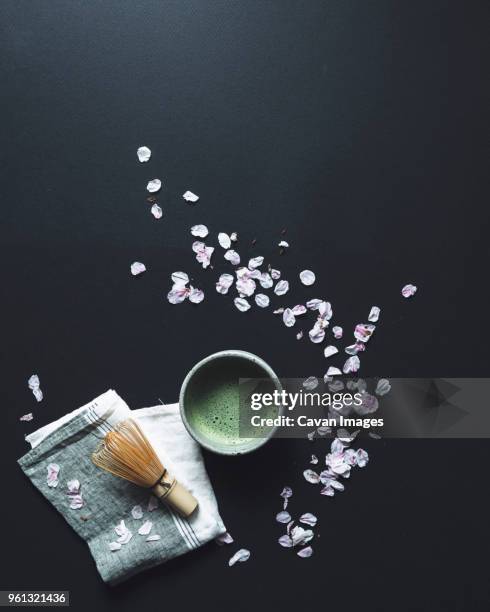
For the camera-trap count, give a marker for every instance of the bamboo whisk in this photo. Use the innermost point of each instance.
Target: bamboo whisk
(126, 452)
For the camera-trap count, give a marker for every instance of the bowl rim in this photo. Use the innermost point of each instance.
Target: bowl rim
(218, 355)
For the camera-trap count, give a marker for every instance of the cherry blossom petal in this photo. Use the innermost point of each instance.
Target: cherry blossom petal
(369, 404)
(145, 529)
(300, 536)
(307, 277)
(311, 476)
(239, 557)
(282, 287)
(328, 491)
(283, 517)
(285, 541)
(143, 154)
(287, 492)
(310, 383)
(353, 349)
(225, 281)
(123, 532)
(137, 268)
(317, 334)
(224, 240)
(224, 538)
(233, 257)
(313, 304)
(26, 417)
(52, 477)
(154, 185)
(325, 310)
(137, 512)
(178, 294)
(330, 350)
(383, 387)
(305, 552)
(262, 300)
(299, 310)
(275, 274)
(283, 244)
(179, 278)
(153, 503)
(156, 211)
(337, 331)
(245, 286)
(153, 538)
(333, 371)
(374, 314)
(308, 519)
(190, 197)
(242, 304)
(299, 335)
(364, 331)
(409, 290)
(288, 318)
(352, 365)
(362, 457)
(200, 231)
(113, 546)
(196, 295)
(34, 385)
(265, 280)
(233, 236)
(255, 262)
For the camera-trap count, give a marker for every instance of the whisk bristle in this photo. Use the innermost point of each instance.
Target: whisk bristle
(126, 452)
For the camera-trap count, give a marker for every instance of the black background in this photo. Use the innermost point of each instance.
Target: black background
(360, 128)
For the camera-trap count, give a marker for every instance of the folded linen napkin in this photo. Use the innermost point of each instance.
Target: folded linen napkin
(107, 500)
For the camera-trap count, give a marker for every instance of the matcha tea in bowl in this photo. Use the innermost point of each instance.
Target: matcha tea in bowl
(215, 403)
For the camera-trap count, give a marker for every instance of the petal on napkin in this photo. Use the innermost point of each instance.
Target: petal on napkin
(52, 477)
(145, 529)
(137, 512)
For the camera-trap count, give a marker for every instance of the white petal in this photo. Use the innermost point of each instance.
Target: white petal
(137, 512)
(409, 290)
(233, 257)
(288, 318)
(224, 283)
(224, 240)
(337, 332)
(333, 371)
(299, 309)
(283, 517)
(317, 334)
(196, 295)
(383, 387)
(154, 185)
(242, 304)
(233, 236)
(224, 538)
(307, 277)
(285, 541)
(190, 197)
(152, 503)
(311, 476)
(300, 536)
(145, 528)
(352, 365)
(313, 304)
(180, 278)
(178, 294)
(262, 300)
(364, 331)
(200, 231)
(330, 350)
(246, 286)
(239, 557)
(156, 211)
(137, 268)
(275, 274)
(29, 416)
(255, 262)
(52, 477)
(113, 546)
(299, 335)
(152, 538)
(308, 519)
(287, 492)
(265, 280)
(283, 244)
(282, 287)
(374, 314)
(305, 552)
(310, 383)
(144, 154)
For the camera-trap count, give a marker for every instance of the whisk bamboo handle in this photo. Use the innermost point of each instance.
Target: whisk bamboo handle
(175, 495)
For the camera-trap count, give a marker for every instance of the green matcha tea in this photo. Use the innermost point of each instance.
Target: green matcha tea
(212, 402)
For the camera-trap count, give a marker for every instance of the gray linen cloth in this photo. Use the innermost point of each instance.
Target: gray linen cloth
(69, 443)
